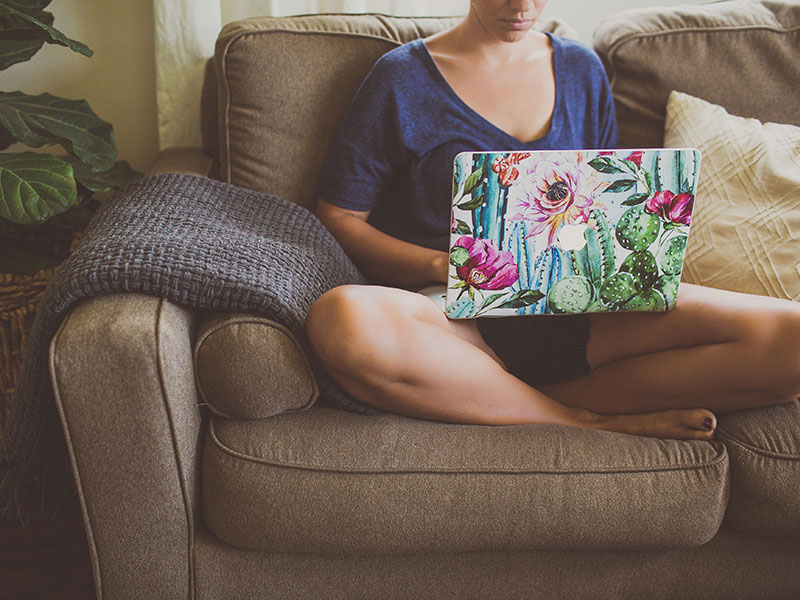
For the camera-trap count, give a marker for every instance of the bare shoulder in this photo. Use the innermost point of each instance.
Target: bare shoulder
(443, 44)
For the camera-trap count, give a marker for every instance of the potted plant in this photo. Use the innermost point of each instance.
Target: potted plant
(45, 199)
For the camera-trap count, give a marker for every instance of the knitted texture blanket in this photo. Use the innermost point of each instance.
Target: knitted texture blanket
(197, 242)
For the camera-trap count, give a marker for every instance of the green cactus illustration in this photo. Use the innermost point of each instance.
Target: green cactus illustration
(587, 261)
(598, 220)
(667, 285)
(647, 300)
(642, 266)
(462, 308)
(572, 294)
(617, 289)
(670, 255)
(637, 228)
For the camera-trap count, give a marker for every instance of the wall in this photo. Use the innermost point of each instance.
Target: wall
(119, 81)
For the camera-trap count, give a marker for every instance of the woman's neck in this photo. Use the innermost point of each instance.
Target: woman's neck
(470, 39)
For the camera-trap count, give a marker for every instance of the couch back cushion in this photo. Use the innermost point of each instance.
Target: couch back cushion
(284, 83)
(741, 54)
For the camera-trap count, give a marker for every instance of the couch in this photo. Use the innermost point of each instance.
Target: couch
(208, 466)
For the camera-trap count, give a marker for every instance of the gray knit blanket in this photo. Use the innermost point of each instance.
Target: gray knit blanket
(197, 242)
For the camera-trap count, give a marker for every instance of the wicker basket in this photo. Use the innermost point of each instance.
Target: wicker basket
(19, 298)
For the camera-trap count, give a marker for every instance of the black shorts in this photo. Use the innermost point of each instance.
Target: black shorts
(539, 349)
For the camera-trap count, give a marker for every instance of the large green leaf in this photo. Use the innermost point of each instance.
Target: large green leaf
(116, 177)
(29, 12)
(45, 120)
(6, 139)
(19, 39)
(34, 187)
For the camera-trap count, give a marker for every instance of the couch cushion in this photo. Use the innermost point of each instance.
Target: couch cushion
(284, 83)
(748, 199)
(327, 481)
(741, 54)
(250, 367)
(764, 448)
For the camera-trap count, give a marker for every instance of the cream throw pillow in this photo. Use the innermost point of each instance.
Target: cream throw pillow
(745, 232)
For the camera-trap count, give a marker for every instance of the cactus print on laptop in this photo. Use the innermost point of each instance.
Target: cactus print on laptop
(567, 232)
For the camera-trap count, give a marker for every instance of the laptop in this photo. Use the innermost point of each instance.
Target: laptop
(566, 232)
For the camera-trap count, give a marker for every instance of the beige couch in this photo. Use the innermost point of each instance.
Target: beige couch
(208, 469)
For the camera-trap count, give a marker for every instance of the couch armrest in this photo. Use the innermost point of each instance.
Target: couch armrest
(194, 161)
(121, 368)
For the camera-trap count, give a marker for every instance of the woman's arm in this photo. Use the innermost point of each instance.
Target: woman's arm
(381, 257)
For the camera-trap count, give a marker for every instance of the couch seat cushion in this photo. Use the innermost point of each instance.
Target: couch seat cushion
(250, 367)
(327, 481)
(764, 449)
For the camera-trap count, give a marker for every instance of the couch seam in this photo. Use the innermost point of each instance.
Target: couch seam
(314, 395)
(721, 457)
(728, 437)
(179, 463)
(95, 556)
(632, 37)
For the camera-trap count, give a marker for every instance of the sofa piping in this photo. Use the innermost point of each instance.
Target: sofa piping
(178, 460)
(256, 321)
(87, 521)
(728, 437)
(721, 457)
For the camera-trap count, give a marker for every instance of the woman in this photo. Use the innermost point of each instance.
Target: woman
(493, 83)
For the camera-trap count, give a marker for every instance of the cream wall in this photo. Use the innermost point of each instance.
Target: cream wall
(119, 80)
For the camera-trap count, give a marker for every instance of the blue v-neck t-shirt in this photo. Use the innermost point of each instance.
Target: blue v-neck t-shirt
(394, 149)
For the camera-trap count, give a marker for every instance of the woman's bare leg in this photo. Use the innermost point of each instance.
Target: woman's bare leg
(717, 349)
(397, 351)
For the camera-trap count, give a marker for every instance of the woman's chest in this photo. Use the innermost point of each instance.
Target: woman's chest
(519, 101)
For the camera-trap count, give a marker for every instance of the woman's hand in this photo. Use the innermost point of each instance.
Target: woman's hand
(381, 257)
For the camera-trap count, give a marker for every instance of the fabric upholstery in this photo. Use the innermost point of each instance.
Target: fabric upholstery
(209, 109)
(325, 481)
(341, 491)
(122, 376)
(191, 161)
(284, 83)
(748, 53)
(250, 367)
(748, 199)
(729, 566)
(764, 448)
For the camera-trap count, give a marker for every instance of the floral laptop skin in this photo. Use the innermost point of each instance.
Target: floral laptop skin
(564, 232)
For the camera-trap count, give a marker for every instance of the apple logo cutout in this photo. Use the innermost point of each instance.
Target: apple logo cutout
(571, 237)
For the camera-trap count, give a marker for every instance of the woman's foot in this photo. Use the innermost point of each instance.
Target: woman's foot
(686, 424)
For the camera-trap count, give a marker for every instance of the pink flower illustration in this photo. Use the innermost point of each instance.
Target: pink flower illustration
(504, 166)
(675, 208)
(558, 190)
(635, 158)
(487, 268)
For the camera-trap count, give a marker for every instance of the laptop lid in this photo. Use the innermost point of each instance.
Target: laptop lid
(565, 232)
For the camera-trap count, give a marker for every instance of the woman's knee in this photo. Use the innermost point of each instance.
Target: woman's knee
(357, 328)
(775, 349)
(332, 323)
